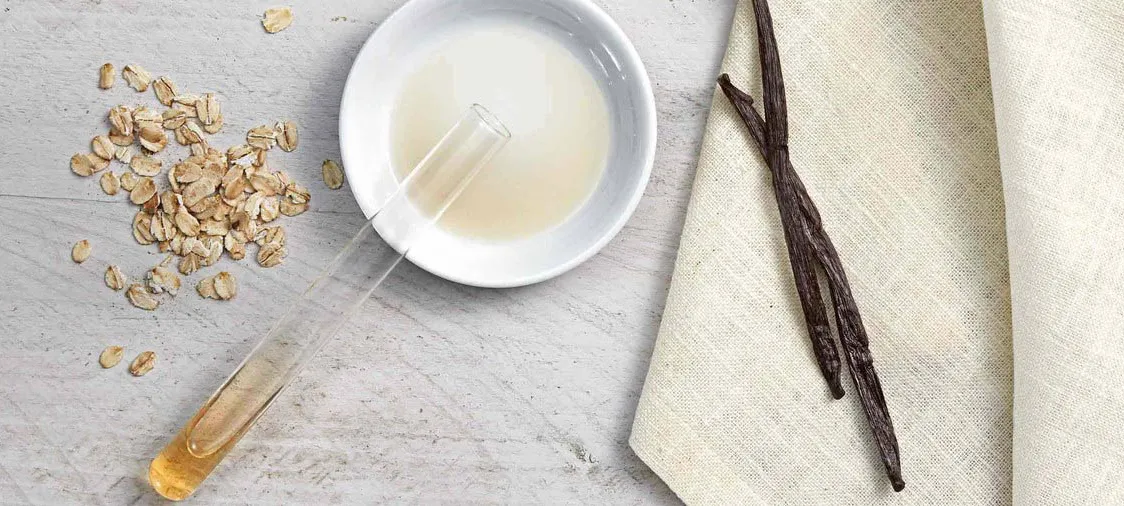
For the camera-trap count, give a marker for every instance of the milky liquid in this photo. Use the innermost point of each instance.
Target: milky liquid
(556, 113)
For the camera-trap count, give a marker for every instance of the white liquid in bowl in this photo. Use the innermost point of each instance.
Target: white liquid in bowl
(555, 110)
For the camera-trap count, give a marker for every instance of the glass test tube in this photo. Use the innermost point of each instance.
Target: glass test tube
(322, 309)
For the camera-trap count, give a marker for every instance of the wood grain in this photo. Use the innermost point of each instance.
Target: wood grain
(438, 393)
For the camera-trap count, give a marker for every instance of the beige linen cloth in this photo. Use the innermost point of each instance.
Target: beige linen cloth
(968, 160)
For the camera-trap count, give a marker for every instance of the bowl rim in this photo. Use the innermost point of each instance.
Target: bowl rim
(631, 58)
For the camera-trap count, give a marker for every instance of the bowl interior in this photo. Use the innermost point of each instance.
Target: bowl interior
(393, 51)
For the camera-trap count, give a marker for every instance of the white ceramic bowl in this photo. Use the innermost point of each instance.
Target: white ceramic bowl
(391, 52)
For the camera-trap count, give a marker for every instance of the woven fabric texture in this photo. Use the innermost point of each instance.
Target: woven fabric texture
(893, 132)
(1058, 73)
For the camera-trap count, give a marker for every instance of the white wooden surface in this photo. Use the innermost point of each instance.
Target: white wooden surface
(439, 393)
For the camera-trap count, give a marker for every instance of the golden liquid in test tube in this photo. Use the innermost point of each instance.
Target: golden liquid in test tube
(330, 301)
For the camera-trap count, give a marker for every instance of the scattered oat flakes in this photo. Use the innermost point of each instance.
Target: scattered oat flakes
(270, 210)
(142, 364)
(128, 181)
(140, 297)
(189, 264)
(333, 174)
(162, 226)
(120, 140)
(124, 154)
(225, 286)
(114, 278)
(188, 172)
(271, 255)
(297, 194)
(214, 227)
(162, 280)
(81, 251)
(103, 147)
(241, 223)
(170, 202)
(214, 251)
(235, 187)
(261, 137)
(195, 192)
(238, 152)
(187, 110)
(109, 183)
(121, 124)
(137, 77)
(145, 166)
(187, 100)
(271, 235)
(87, 164)
(152, 204)
(111, 356)
(198, 149)
(289, 208)
(283, 179)
(208, 110)
(144, 190)
(235, 248)
(276, 19)
(181, 134)
(176, 244)
(268, 184)
(142, 229)
(189, 133)
(206, 208)
(215, 126)
(165, 89)
(153, 138)
(145, 118)
(173, 118)
(217, 200)
(195, 246)
(287, 138)
(105, 76)
(187, 223)
(252, 205)
(206, 288)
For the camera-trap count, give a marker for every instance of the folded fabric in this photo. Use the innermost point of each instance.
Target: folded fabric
(893, 132)
(1058, 74)
(891, 111)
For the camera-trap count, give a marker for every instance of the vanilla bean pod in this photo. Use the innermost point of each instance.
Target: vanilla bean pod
(852, 333)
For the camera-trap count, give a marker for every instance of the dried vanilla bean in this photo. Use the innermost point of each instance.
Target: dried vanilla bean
(803, 264)
(852, 332)
(772, 139)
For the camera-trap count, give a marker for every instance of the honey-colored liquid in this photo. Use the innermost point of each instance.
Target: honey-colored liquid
(175, 473)
(222, 421)
(555, 110)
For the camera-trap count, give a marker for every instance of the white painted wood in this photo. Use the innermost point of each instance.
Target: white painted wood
(439, 393)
